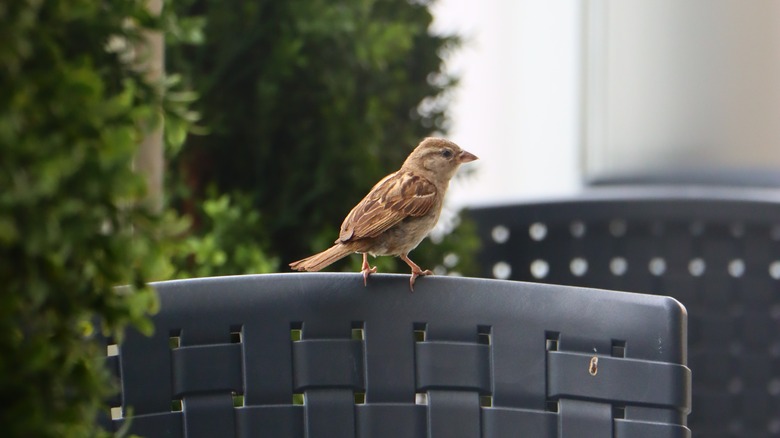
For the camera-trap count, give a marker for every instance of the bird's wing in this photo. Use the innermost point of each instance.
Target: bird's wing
(394, 198)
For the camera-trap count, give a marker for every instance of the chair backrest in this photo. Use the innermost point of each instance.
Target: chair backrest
(319, 355)
(715, 250)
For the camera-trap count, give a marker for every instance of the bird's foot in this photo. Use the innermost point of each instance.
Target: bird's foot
(416, 270)
(418, 273)
(367, 270)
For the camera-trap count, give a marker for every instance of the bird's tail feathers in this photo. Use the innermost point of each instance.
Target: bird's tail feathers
(322, 259)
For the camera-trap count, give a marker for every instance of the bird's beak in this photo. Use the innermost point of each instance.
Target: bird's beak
(466, 157)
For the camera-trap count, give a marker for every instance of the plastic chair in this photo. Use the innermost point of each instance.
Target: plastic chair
(716, 250)
(319, 355)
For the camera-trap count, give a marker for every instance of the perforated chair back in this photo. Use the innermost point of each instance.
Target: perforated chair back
(319, 355)
(715, 250)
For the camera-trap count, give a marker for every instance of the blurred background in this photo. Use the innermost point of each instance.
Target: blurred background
(552, 97)
(518, 103)
(556, 95)
(150, 140)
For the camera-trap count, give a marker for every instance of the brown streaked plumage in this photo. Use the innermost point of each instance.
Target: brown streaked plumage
(398, 212)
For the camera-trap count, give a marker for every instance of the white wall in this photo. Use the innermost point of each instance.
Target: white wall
(517, 107)
(688, 84)
(640, 86)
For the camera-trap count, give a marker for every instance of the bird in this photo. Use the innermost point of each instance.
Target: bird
(398, 212)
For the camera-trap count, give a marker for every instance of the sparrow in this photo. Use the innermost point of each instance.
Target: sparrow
(398, 212)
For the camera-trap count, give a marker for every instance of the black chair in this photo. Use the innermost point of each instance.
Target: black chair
(319, 355)
(716, 250)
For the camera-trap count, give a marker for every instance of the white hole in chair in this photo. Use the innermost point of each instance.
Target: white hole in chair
(774, 269)
(618, 266)
(450, 260)
(657, 266)
(537, 231)
(578, 266)
(500, 234)
(618, 227)
(540, 268)
(502, 270)
(116, 413)
(577, 229)
(736, 268)
(697, 267)
(421, 398)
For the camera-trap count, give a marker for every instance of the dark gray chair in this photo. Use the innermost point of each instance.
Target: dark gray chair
(716, 250)
(319, 355)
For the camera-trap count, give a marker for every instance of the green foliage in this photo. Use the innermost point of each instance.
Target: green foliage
(230, 242)
(307, 104)
(72, 112)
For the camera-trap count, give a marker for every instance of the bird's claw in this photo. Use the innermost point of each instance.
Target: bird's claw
(416, 274)
(367, 270)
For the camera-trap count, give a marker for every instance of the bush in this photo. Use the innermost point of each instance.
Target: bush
(230, 242)
(72, 112)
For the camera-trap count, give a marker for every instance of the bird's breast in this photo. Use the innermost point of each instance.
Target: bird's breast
(403, 237)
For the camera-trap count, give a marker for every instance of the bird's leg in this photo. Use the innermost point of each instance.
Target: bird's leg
(416, 270)
(367, 269)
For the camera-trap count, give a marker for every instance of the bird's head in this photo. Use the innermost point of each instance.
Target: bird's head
(438, 157)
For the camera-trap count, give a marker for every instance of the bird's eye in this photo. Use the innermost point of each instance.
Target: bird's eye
(446, 153)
